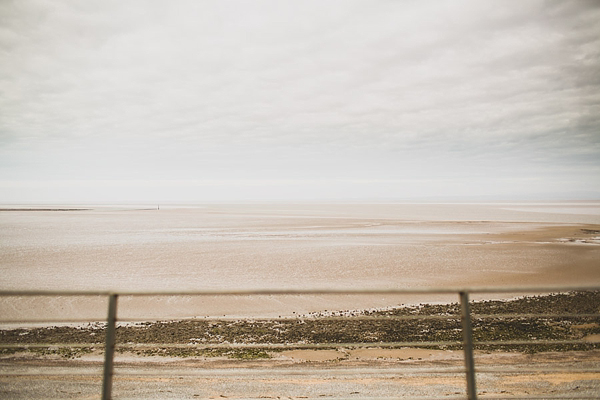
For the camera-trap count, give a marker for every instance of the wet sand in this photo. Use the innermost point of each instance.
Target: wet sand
(224, 247)
(339, 372)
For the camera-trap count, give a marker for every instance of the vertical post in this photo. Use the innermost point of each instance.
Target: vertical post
(109, 347)
(468, 345)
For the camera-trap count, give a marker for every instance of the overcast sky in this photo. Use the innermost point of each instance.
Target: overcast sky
(298, 100)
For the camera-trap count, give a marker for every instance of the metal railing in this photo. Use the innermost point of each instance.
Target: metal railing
(466, 317)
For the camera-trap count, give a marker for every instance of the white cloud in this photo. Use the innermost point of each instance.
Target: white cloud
(305, 90)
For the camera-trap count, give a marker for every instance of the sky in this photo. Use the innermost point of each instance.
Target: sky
(194, 101)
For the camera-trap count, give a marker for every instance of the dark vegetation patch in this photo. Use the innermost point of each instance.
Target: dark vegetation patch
(591, 231)
(492, 321)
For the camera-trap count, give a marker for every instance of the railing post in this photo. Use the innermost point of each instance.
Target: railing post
(468, 345)
(109, 347)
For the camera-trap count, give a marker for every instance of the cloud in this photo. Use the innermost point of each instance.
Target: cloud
(273, 90)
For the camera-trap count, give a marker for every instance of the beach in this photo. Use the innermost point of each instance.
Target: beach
(311, 357)
(293, 246)
(285, 246)
(284, 378)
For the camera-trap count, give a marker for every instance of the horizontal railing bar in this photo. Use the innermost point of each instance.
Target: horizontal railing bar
(323, 291)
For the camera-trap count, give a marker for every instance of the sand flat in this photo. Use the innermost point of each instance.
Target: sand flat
(259, 246)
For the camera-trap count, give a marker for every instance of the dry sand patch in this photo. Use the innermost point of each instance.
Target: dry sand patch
(402, 354)
(313, 355)
(592, 338)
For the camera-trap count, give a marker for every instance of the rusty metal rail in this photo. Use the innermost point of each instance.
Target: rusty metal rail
(465, 317)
